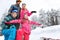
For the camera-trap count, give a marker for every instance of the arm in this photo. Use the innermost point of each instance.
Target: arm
(14, 21)
(35, 23)
(29, 13)
(10, 9)
(3, 25)
(23, 12)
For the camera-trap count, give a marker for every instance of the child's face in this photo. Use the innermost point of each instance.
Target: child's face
(23, 6)
(25, 16)
(14, 14)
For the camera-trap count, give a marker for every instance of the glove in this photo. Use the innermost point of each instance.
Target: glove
(7, 23)
(33, 11)
(39, 24)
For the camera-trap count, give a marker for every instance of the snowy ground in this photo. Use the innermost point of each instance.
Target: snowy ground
(48, 32)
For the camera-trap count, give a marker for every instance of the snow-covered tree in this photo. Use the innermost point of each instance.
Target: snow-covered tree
(49, 18)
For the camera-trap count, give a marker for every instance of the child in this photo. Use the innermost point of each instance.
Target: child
(24, 10)
(26, 29)
(9, 30)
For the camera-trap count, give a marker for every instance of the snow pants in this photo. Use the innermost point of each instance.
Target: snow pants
(20, 34)
(9, 34)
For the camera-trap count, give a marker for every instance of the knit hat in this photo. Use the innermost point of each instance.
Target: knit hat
(15, 11)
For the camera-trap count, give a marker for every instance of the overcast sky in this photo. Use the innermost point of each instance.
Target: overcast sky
(45, 4)
(31, 4)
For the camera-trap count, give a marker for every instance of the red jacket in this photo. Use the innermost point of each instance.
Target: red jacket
(25, 24)
(23, 11)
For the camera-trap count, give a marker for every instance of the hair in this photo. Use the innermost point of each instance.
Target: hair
(23, 3)
(18, 1)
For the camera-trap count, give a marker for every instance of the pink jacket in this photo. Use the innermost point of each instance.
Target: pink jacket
(23, 12)
(25, 24)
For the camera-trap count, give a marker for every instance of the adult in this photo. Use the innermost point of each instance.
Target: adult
(16, 7)
(24, 10)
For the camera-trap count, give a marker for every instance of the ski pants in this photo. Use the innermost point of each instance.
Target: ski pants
(9, 34)
(20, 34)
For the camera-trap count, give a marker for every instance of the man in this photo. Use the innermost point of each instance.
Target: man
(16, 7)
(9, 31)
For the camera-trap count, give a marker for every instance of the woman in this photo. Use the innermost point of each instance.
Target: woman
(24, 11)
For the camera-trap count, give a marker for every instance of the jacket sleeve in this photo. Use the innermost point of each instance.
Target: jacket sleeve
(34, 23)
(14, 21)
(29, 13)
(11, 8)
(3, 25)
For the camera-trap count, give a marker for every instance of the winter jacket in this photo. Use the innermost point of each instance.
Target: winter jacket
(7, 19)
(9, 34)
(24, 11)
(15, 7)
(25, 24)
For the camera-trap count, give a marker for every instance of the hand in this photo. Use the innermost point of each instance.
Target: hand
(33, 11)
(7, 23)
(39, 24)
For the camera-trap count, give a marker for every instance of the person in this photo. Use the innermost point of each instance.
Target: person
(9, 30)
(25, 10)
(16, 7)
(26, 29)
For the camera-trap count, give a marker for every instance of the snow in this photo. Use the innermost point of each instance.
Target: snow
(48, 32)
(1, 37)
